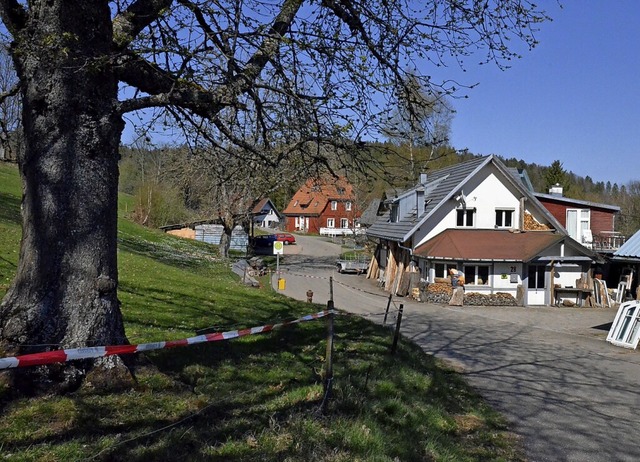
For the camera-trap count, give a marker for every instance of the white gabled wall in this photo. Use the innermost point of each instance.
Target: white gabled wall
(487, 191)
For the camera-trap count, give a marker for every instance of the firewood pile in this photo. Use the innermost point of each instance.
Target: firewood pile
(497, 299)
(440, 292)
(531, 224)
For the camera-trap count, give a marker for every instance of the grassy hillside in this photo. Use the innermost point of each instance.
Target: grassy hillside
(255, 398)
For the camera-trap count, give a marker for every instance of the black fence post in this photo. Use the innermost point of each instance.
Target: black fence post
(397, 332)
(386, 313)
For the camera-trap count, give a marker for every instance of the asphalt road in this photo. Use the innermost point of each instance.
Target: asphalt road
(568, 393)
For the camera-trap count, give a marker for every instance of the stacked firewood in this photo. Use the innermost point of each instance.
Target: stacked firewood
(497, 299)
(440, 292)
(531, 224)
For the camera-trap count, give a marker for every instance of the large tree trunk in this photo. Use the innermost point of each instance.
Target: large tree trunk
(64, 294)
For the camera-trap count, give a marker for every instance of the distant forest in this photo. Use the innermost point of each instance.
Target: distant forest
(167, 191)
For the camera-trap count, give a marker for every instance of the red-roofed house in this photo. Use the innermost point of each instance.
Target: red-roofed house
(322, 203)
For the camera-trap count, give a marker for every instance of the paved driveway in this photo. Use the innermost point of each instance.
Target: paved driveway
(569, 394)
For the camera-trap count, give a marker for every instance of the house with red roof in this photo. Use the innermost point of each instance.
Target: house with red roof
(480, 218)
(324, 205)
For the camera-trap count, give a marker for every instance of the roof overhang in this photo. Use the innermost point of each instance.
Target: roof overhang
(498, 246)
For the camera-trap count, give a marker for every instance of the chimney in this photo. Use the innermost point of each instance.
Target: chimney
(423, 179)
(556, 190)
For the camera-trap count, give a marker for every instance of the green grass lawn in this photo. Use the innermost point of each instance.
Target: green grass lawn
(254, 398)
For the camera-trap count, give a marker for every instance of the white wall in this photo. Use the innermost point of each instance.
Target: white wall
(486, 192)
(566, 275)
(502, 276)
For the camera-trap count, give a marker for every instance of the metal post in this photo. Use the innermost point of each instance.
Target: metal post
(331, 289)
(386, 313)
(397, 332)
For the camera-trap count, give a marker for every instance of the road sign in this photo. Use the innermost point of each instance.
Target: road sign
(278, 247)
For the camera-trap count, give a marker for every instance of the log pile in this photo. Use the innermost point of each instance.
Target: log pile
(440, 292)
(497, 299)
(531, 224)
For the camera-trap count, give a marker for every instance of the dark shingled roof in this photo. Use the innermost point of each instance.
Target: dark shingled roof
(441, 185)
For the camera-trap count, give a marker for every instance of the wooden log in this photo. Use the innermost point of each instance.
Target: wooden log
(398, 278)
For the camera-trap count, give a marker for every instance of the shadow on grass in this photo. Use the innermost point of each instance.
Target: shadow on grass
(10, 208)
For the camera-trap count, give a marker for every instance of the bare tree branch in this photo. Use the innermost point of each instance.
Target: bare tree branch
(128, 24)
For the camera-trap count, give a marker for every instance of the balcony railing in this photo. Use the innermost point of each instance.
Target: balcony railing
(607, 241)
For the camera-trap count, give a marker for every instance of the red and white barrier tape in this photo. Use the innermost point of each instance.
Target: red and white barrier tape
(61, 356)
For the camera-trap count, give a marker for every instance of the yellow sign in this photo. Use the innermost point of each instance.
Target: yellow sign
(278, 247)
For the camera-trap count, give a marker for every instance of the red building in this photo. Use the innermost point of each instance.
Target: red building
(589, 223)
(322, 203)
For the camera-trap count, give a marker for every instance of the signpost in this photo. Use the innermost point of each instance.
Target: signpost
(278, 249)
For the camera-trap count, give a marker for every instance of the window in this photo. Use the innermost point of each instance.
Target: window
(578, 223)
(625, 329)
(344, 222)
(334, 205)
(296, 203)
(504, 218)
(536, 276)
(442, 269)
(476, 275)
(464, 217)
(394, 213)
(331, 223)
(348, 205)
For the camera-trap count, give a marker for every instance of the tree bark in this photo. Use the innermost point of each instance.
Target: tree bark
(64, 293)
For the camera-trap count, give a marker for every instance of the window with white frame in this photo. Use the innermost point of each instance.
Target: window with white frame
(442, 269)
(331, 222)
(476, 275)
(348, 206)
(578, 223)
(504, 218)
(465, 217)
(334, 205)
(625, 329)
(344, 222)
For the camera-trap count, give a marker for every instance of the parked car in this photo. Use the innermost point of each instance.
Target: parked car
(267, 240)
(286, 238)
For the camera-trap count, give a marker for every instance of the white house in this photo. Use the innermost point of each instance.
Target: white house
(266, 215)
(477, 216)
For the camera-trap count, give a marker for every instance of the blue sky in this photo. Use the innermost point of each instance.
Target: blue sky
(574, 98)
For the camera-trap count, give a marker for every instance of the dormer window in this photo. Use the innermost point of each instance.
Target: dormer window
(341, 191)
